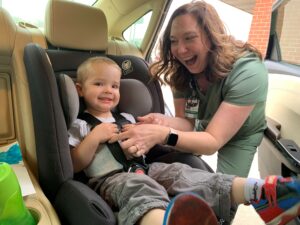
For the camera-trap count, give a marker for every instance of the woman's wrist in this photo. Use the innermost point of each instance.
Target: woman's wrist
(171, 138)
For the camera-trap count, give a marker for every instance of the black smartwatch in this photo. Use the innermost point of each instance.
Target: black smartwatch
(172, 138)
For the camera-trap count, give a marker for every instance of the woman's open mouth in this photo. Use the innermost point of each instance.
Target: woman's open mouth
(191, 61)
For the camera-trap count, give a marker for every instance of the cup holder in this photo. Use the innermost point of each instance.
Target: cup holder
(35, 214)
(38, 212)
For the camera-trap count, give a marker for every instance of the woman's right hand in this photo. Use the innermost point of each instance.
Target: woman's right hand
(139, 139)
(177, 123)
(154, 118)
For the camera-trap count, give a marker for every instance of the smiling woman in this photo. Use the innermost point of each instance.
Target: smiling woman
(224, 78)
(31, 11)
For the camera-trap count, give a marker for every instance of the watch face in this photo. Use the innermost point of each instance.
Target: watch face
(172, 139)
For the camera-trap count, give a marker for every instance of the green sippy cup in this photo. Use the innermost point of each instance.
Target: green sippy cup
(12, 208)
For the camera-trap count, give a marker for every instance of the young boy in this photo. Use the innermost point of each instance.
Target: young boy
(145, 199)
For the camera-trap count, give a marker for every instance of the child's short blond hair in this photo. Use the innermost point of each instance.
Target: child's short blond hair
(85, 68)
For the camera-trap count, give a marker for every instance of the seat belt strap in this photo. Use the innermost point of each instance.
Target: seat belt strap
(136, 164)
(120, 120)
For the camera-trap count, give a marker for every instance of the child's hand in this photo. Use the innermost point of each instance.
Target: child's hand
(105, 131)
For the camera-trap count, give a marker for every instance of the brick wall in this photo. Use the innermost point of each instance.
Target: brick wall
(260, 26)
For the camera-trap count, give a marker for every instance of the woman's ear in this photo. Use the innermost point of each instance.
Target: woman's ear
(79, 89)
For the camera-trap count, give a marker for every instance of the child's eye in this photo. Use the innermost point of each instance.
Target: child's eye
(115, 86)
(98, 83)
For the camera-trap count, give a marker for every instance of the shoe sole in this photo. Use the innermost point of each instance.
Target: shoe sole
(286, 216)
(189, 209)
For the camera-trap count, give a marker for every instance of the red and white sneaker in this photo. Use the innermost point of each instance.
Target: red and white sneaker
(189, 209)
(281, 202)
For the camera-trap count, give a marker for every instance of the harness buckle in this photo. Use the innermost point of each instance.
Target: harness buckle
(136, 168)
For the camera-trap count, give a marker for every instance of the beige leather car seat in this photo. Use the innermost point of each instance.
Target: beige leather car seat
(15, 114)
(7, 30)
(118, 46)
(62, 27)
(15, 111)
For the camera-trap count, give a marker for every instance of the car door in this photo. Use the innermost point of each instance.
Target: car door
(279, 152)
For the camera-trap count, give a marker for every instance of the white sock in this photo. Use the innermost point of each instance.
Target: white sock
(253, 189)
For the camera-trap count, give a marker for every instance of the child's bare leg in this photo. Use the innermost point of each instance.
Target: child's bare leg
(153, 217)
(237, 191)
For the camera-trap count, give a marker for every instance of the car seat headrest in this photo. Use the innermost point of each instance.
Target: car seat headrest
(135, 98)
(75, 26)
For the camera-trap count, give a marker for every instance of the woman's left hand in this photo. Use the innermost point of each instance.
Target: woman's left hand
(154, 118)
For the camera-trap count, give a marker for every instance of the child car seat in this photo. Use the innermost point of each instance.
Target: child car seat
(69, 46)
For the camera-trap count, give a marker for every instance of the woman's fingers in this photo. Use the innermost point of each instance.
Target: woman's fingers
(136, 150)
(127, 127)
(145, 119)
(136, 141)
(153, 118)
(117, 137)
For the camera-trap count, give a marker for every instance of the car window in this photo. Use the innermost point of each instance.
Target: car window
(285, 31)
(136, 32)
(31, 11)
(283, 52)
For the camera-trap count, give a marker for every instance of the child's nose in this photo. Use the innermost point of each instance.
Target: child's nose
(108, 88)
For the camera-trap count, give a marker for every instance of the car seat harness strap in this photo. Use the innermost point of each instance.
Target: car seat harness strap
(137, 164)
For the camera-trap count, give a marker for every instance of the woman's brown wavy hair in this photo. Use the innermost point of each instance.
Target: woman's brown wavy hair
(224, 51)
